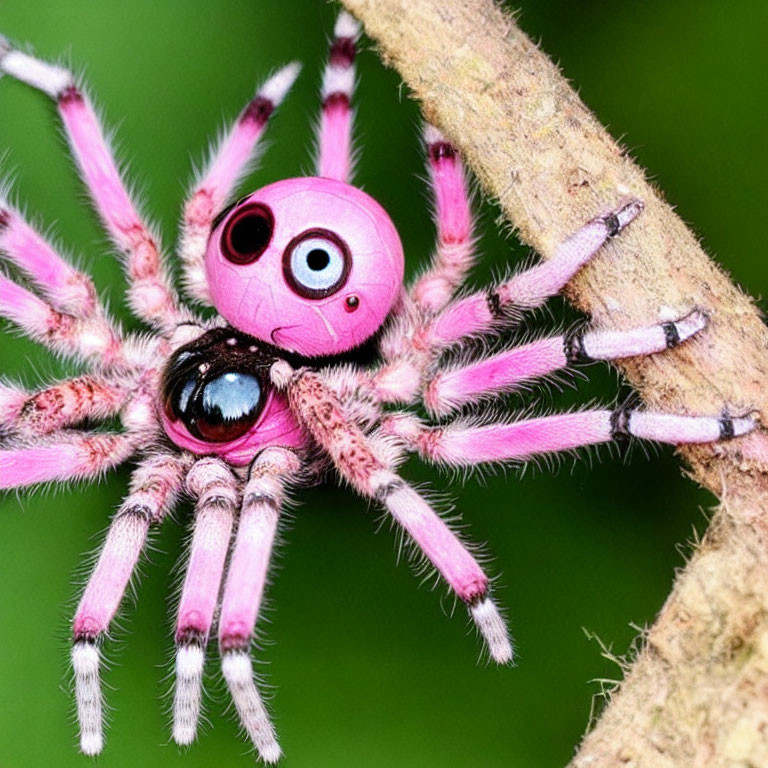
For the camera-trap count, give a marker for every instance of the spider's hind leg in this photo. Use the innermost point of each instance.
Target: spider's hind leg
(334, 132)
(454, 251)
(69, 318)
(216, 490)
(63, 456)
(68, 403)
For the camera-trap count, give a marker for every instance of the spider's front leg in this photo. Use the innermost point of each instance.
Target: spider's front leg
(483, 311)
(334, 134)
(454, 251)
(216, 490)
(359, 462)
(419, 335)
(155, 485)
(270, 473)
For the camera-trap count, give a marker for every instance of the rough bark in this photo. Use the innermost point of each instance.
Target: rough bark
(697, 694)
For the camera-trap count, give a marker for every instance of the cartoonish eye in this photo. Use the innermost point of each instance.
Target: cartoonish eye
(229, 407)
(316, 263)
(247, 233)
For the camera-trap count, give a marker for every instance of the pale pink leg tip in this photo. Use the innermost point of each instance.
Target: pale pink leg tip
(745, 425)
(493, 629)
(691, 324)
(188, 695)
(629, 211)
(271, 755)
(91, 745)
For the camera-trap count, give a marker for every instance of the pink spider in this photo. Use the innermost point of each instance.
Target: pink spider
(306, 276)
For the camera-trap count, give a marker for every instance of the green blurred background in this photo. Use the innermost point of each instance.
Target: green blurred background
(368, 668)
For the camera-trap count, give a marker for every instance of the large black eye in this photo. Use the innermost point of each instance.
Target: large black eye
(229, 407)
(247, 233)
(217, 386)
(316, 264)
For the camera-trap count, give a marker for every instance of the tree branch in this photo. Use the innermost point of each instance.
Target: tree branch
(697, 692)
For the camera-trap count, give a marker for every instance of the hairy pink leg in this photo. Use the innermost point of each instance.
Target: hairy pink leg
(531, 288)
(227, 165)
(214, 486)
(68, 403)
(89, 338)
(64, 456)
(246, 578)
(63, 286)
(151, 293)
(319, 410)
(12, 399)
(454, 252)
(155, 485)
(415, 338)
(466, 446)
(449, 389)
(334, 155)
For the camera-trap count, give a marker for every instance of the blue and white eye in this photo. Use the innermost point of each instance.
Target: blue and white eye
(316, 264)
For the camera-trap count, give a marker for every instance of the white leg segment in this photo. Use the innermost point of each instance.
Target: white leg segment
(188, 693)
(85, 661)
(238, 672)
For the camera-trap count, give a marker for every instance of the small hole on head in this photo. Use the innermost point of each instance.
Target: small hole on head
(318, 259)
(247, 234)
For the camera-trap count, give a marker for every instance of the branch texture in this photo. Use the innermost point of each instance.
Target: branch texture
(698, 692)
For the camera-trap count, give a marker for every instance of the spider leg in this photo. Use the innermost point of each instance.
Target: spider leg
(227, 165)
(454, 252)
(453, 387)
(155, 486)
(61, 405)
(90, 338)
(465, 446)
(355, 457)
(480, 312)
(246, 578)
(416, 338)
(151, 293)
(334, 136)
(67, 289)
(64, 456)
(216, 490)
(12, 399)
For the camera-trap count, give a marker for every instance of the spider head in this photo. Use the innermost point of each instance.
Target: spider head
(310, 265)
